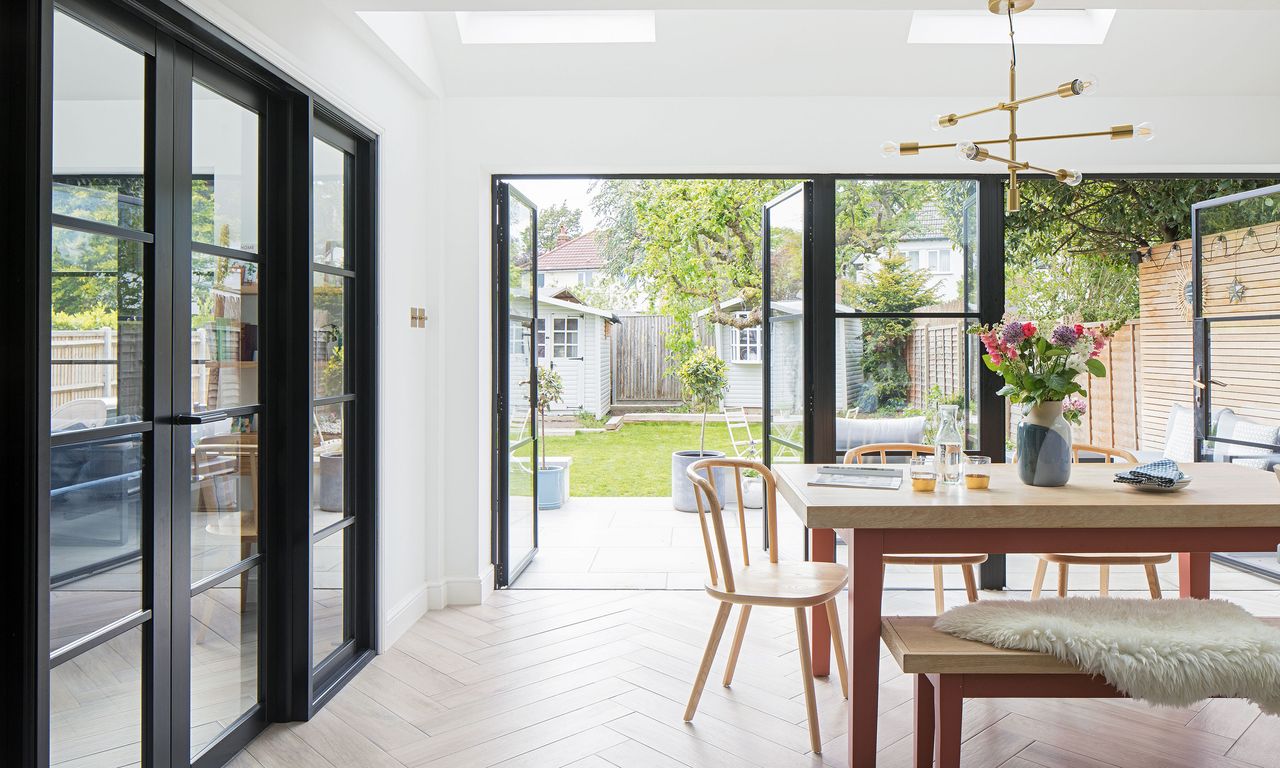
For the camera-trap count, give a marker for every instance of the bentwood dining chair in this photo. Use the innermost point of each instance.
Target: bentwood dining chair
(794, 585)
(1064, 561)
(886, 452)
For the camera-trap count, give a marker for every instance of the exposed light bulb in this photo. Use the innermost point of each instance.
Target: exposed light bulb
(967, 150)
(890, 149)
(1144, 131)
(1070, 177)
(1085, 85)
(941, 122)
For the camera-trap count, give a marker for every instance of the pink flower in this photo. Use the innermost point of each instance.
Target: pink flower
(1028, 330)
(1079, 329)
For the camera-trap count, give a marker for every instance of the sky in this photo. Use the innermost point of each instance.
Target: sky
(575, 192)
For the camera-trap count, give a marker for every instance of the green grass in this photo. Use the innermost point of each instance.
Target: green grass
(636, 459)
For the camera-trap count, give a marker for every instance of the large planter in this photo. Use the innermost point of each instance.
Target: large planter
(551, 488)
(752, 492)
(682, 497)
(1044, 446)
(331, 471)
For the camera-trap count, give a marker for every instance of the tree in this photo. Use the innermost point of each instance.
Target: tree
(550, 392)
(691, 244)
(554, 219)
(872, 217)
(893, 287)
(703, 376)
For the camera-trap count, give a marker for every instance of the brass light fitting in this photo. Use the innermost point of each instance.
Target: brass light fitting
(976, 151)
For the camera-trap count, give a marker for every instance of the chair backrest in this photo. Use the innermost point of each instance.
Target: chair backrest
(884, 451)
(702, 475)
(83, 413)
(1109, 455)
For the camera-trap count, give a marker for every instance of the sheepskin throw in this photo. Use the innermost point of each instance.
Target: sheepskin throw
(1168, 652)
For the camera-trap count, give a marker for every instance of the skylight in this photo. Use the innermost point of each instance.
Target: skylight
(555, 27)
(1036, 27)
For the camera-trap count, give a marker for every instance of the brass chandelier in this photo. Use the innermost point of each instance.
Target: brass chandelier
(977, 151)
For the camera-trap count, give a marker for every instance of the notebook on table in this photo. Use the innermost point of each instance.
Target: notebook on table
(854, 476)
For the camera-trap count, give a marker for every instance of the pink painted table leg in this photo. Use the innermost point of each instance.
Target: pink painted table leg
(866, 583)
(822, 549)
(1193, 574)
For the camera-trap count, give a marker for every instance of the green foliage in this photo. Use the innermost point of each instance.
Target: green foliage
(588, 420)
(1035, 369)
(704, 376)
(550, 392)
(92, 319)
(333, 379)
(871, 218)
(893, 287)
(634, 460)
(552, 219)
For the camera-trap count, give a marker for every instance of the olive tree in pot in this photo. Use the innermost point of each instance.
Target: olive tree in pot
(704, 379)
(550, 479)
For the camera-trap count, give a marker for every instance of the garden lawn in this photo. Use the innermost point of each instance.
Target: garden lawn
(636, 459)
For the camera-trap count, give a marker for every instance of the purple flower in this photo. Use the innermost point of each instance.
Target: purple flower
(1012, 333)
(1064, 336)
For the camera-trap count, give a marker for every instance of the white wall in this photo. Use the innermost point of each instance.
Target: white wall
(325, 53)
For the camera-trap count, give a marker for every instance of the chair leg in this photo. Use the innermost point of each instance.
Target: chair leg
(837, 644)
(1153, 582)
(806, 675)
(948, 715)
(708, 657)
(736, 648)
(1042, 566)
(970, 583)
(1062, 579)
(924, 723)
(939, 604)
(1104, 580)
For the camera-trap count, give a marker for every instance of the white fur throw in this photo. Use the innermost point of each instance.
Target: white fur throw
(1168, 652)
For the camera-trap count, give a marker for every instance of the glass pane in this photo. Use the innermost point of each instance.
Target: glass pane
(99, 111)
(521, 514)
(327, 465)
(224, 332)
(328, 299)
(1240, 257)
(329, 199)
(906, 246)
(892, 374)
(1244, 360)
(328, 602)
(520, 424)
(224, 656)
(224, 171)
(97, 340)
(225, 485)
(786, 329)
(95, 536)
(95, 710)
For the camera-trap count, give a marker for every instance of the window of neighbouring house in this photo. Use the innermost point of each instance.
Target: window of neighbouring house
(564, 337)
(746, 347)
(541, 336)
(585, 276)
(542, 280)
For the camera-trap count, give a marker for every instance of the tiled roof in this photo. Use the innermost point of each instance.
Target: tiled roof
(928, 224)
(579, 253)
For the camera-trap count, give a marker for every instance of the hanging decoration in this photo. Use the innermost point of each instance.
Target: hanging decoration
(977, 150)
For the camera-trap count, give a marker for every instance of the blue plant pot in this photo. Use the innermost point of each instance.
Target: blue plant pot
(1044, 446)
(551, 488)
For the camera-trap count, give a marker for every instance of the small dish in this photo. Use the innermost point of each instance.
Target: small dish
(1153, 488)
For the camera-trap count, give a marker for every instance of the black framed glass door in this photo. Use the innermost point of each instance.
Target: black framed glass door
(515, 439)
(787, 243)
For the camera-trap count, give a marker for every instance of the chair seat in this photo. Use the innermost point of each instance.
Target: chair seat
(791, 585)
(962, 559)
(1101, 558)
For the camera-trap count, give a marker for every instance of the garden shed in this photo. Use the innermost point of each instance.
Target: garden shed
(573, 340)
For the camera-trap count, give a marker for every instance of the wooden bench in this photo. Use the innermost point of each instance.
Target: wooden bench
(949, 670)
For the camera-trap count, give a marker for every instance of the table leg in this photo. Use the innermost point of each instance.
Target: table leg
(866, 583)
(1193, 574)
(923, 750)
(822, 549)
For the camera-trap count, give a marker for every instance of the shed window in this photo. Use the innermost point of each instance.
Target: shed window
(564, 337)
(746, 348)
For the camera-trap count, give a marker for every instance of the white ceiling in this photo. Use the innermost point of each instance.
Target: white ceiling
(723, 51)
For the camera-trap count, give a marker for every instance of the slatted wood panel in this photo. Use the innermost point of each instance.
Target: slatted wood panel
(1246, 356)
(641, 372)
(1115, 400)
(935, 359)
(599, 680)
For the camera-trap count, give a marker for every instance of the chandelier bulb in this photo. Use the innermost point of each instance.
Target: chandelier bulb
(1085, 85)
(941, 122)
(890, 149)
(1144, 131)
(1070, 177)
(967, 150)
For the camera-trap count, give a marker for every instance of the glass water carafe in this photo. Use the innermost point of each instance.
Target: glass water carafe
(949, 446)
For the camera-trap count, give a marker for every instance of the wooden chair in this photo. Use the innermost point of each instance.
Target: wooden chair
(1148, 560)
(885, 451)
(794, 585)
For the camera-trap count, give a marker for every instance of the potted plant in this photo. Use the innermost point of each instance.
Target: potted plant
(1041, 373)
(550, 478)
(704, 379)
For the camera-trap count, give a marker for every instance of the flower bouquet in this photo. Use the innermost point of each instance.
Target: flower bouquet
(1041, 372)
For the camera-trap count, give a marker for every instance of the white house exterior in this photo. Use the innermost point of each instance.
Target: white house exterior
(572, 262)
(573, 339)
(930, 249)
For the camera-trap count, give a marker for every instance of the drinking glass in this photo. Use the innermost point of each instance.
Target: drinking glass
(924, 474)
(977, 472)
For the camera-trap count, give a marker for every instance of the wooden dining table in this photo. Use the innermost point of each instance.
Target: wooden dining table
(1226, 508)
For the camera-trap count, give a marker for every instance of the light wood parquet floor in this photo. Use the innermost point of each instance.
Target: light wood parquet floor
(595, 679)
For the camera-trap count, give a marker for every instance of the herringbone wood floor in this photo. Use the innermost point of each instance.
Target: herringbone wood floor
(599, 680)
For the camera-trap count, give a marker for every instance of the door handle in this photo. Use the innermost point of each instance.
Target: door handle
(205, 417)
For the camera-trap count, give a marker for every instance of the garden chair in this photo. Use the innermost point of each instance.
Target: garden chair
(886, 452)
(794, 585)
(744, 443)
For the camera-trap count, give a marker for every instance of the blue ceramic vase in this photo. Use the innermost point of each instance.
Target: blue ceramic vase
(1044, 446)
